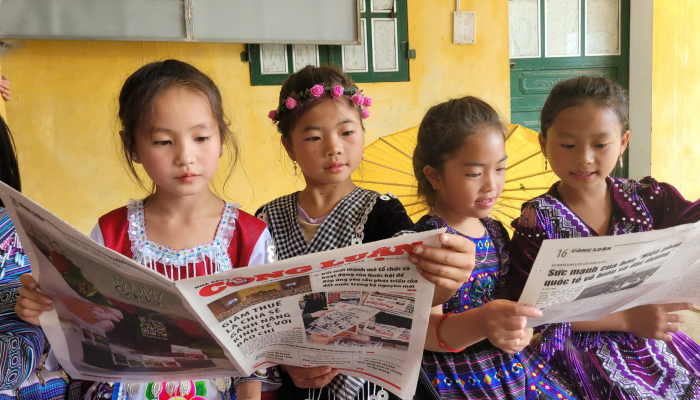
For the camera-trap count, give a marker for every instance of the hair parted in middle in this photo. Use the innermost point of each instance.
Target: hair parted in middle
(140, 92)
(575, 91)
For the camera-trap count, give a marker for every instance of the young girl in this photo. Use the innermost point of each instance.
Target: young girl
(320, 119)
(173, 124)
(477, 343)
(631, 354)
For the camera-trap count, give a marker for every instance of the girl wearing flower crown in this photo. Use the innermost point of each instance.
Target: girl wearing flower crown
(173, 124)
(632, 354)
(320, 118)
(477, 342)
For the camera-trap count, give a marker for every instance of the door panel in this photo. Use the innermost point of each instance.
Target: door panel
(570, 38)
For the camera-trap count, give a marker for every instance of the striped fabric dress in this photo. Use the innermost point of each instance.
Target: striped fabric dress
(482, 371)
(21, 344)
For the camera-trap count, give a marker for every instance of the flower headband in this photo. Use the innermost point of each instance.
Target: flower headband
(316, 91)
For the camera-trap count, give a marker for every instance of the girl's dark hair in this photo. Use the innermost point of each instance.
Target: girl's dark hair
(579, 90)
(137, 102)
(305, 79)
(442, 133)
(9, 169)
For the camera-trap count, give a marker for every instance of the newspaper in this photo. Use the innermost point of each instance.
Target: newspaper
(586, 279)
(362, 309)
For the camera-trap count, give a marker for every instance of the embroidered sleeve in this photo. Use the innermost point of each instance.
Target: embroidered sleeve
(270, 378)
(667, 205)
(21, 343)
(554, 337)
(21, 346)
(386, 219)
(522, 250)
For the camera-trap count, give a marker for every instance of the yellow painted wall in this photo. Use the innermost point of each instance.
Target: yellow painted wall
(675, 154)
(65, 100)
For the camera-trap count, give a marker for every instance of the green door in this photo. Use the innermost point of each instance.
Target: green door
(553, 40)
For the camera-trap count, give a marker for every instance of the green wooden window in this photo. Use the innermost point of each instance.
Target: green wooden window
(382, 56)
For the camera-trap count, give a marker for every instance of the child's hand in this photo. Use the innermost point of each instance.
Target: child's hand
(106, 318)
(313, 378)
(30, 303)
(319, 338)
(504, 324)
(654, 321)
(250, 390)
(447, 267)
(5, 87)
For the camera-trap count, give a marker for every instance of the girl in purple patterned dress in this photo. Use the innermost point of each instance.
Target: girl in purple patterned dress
(477, 342)
(638, 353)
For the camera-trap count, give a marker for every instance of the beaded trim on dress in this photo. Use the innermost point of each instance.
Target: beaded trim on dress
(214, 253)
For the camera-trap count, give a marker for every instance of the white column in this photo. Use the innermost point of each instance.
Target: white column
(641, 59)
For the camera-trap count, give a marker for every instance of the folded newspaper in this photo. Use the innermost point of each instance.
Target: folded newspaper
(363, 309)
(586, 279)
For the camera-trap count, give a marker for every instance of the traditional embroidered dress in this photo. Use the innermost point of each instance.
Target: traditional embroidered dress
(22, 371)
(483, 371)
(613, 364)
(363, 216)
(240, 240)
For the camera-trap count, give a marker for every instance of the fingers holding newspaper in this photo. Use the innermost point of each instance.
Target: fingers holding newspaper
(311, 378)
(652, 321)
(655, 321)
(502, 322)
(30, 303)
(447, 267)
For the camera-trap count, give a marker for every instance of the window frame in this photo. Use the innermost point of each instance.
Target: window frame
(333, 54)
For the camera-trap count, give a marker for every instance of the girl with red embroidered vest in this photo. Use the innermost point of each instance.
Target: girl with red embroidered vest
(477, 342)
(637, 353)
(173, 124)
(320, 117)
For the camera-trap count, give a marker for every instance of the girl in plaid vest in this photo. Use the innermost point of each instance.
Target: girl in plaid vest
(320, 119)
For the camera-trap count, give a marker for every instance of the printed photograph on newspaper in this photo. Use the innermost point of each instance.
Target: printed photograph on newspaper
(363, 309)
(586, 279)
(112, 318)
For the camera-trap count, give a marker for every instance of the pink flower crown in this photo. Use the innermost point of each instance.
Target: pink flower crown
(316, 91)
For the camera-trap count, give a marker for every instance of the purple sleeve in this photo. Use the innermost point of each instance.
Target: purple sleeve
(666, 205)
(554, 338)
(522, 250)
(527, 240)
